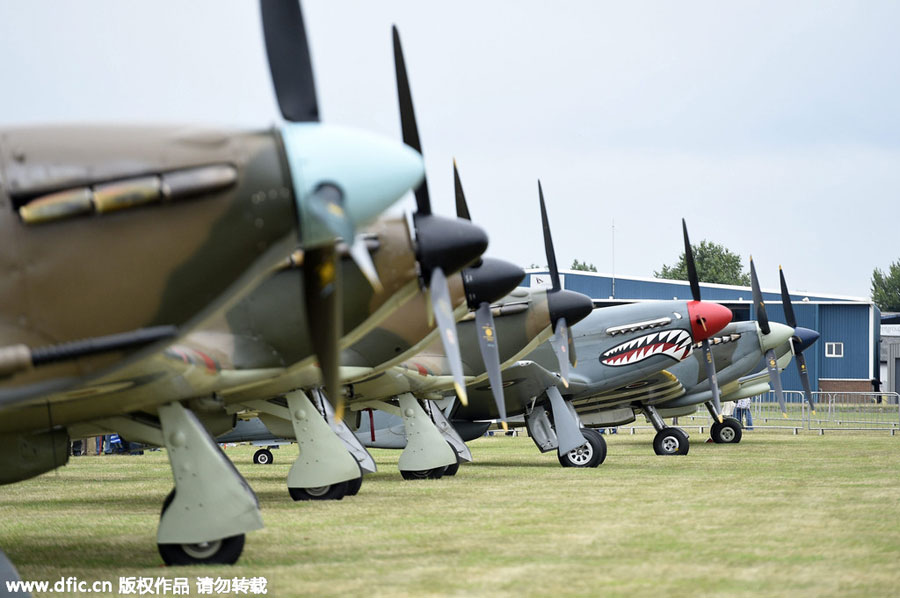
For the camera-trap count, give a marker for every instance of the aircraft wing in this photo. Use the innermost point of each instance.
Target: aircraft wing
(749, 386)
(522, 382)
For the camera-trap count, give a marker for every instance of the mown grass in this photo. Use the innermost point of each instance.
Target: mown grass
(777, 515)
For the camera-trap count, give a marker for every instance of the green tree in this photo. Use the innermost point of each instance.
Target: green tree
(583, 266)
(886, 288)
(715, 264)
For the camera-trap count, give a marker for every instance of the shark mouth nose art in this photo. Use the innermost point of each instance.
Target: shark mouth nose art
(676, 344)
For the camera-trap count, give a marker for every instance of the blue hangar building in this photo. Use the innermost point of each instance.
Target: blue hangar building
(846, 358)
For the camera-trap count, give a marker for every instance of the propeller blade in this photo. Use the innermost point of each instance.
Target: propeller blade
(689, 262)
(442, 308)
(711, 375)
(408, 119)
(789, 318)
(761, 316)
(322, 288)
(804, 378)
(775, 379)
(548, 243)
(490, 353)
(327, 205)
(573, 358)
(289, 60)
(360, 254)
(560, 343)
(462, 208)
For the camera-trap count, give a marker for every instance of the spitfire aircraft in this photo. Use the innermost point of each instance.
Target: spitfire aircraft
(737, 350)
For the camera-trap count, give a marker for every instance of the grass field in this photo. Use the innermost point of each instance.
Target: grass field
(777, 515)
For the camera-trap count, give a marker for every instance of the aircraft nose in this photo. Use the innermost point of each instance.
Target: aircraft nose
(371, 172)
(447, 243)
(778, 335)
(804, 338)
(490, 280)
(707, 318)
(570, 305)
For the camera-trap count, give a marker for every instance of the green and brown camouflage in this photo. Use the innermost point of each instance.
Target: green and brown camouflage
(111, 229)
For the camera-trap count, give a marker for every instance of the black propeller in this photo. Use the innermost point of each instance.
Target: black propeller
(485, 282)
(564, 306)
(796, 345)
(707, 351)
(762, 320)
(289, 60)
(442, 244)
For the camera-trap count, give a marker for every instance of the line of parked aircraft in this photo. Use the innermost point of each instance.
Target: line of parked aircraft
(160, 282)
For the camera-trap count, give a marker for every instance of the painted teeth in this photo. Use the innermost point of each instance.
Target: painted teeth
(673, 343)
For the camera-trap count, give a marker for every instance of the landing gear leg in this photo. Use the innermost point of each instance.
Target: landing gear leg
(427, 454)
(668, 440)
(204, 519)
(324, 467)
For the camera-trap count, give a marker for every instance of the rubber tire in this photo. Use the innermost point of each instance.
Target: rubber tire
(663, 442)
(228, 553)
(354, 485)
(729, 431)
(427, 474)
(263, 457)
(592, 454)
(332, 492)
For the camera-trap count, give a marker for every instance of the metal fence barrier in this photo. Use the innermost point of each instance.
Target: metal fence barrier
(835, 411)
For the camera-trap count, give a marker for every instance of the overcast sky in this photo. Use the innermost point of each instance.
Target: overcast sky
(772, 127)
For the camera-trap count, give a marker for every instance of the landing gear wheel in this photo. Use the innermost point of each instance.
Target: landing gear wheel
(671, 441)
(353, 486)
(591, 454)
(425, 474)
(331, 492)
(217, 552)
(728, 432)
(263, 457)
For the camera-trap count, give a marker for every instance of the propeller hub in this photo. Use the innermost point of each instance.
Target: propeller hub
(570, 305)
(369, 171)
(778, 335)
(447, 243)
(707, 318)
(489, 281)
(803, 338)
